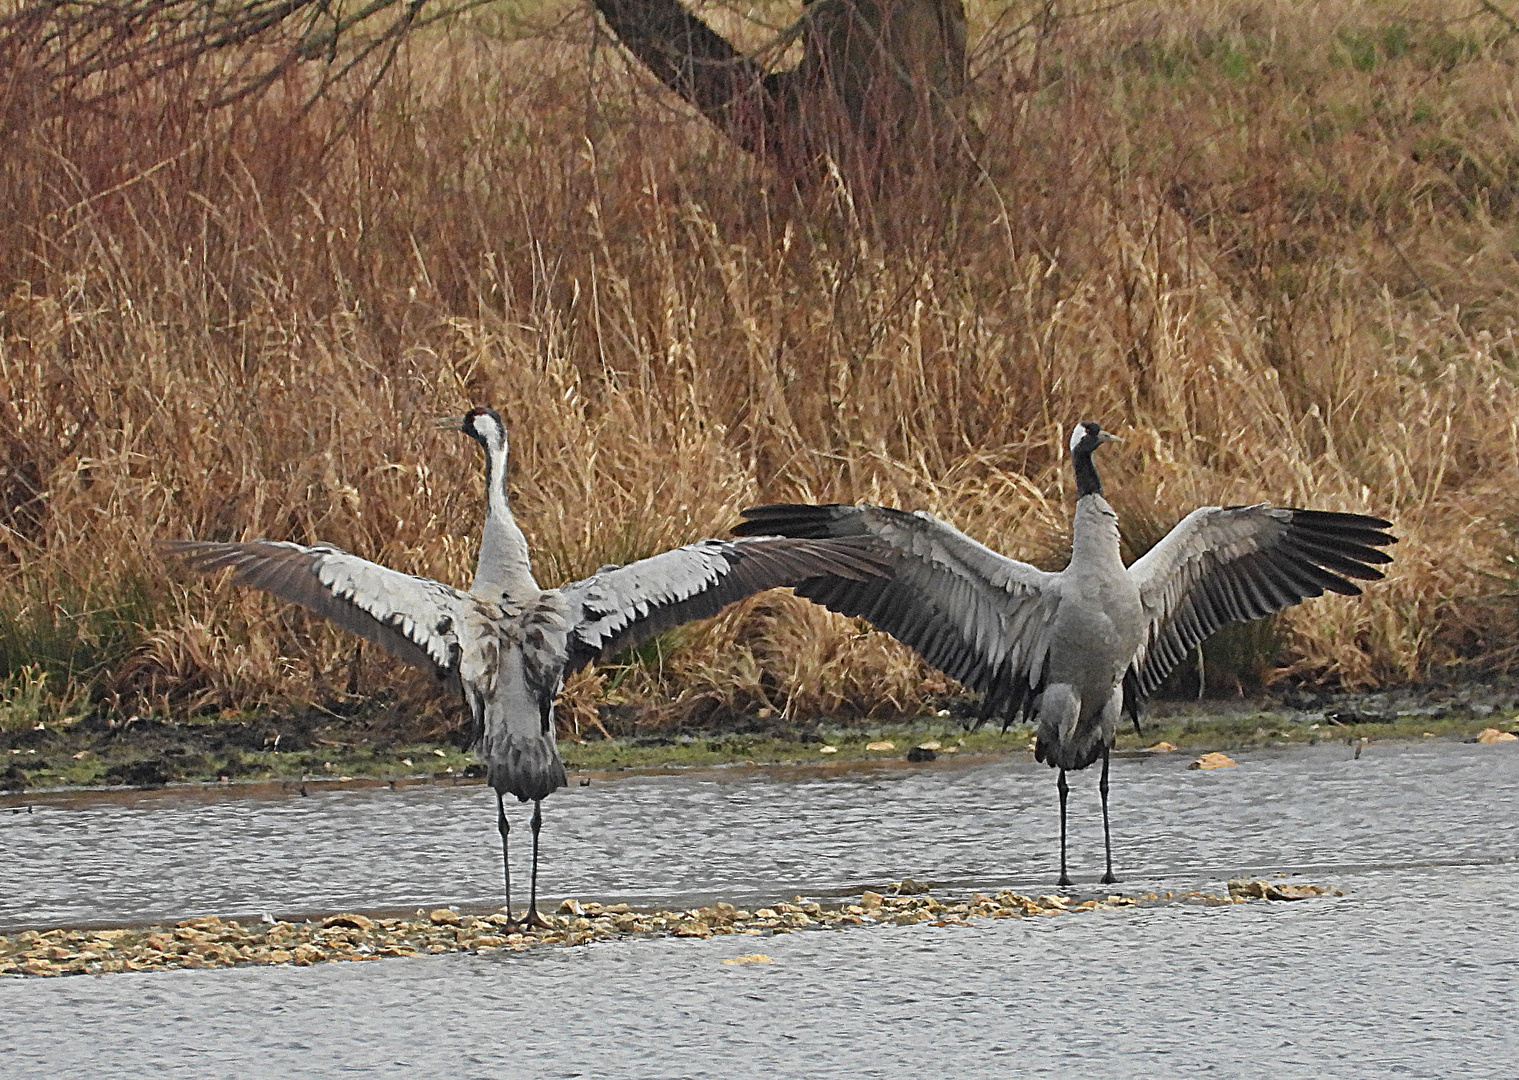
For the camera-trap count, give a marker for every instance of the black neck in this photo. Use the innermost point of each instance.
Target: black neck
(1087, 482)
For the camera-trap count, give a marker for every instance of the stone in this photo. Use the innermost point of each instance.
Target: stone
(1489, 736)
(878, 745)
(349, 921)
(1214, 760)
(1294, 892)
(1161, 747)
(828, 749)
(443, 917)
(918, 753)
(748, 958)
(571, 907)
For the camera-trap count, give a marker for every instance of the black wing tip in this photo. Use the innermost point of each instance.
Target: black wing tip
(799, 521)
(1341, 521)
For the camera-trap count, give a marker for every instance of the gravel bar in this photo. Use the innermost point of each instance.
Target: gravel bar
(209, 941)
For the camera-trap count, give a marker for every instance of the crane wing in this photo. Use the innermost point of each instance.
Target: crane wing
(974, 614)
(618, 607)
(415, 618)
(1225, 564)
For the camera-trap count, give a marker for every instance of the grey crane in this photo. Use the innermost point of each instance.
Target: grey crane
(506, 644)
(1079, 647)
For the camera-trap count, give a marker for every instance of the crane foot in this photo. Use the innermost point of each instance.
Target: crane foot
(536, 921)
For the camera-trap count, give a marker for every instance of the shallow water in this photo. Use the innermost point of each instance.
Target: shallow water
(746, 835)
(1414, 973)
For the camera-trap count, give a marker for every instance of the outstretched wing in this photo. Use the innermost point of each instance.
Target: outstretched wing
(618, 607)
(415, 618)
(978, 616)
(1225, 564)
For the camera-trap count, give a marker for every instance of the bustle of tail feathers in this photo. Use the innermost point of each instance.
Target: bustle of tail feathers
(530, 769)
(1083, 745)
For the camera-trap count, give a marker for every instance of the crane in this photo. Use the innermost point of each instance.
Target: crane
(1077, 648)
(506, 644)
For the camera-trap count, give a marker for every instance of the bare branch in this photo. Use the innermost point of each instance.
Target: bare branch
(63, 54)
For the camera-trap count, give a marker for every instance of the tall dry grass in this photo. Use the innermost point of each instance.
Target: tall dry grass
(1270, 243)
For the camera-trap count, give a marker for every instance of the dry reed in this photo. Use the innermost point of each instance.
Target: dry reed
(1270, 243)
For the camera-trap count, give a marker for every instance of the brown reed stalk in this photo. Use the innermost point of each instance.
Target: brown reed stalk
(1267, 242)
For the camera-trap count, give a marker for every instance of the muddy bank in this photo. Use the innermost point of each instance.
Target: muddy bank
(375, 743)
(210, 941)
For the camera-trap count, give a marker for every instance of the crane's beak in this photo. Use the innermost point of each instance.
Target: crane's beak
(1107, 436)
(449, 423)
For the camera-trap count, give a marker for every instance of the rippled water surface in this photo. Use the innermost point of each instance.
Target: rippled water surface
(1414, 973)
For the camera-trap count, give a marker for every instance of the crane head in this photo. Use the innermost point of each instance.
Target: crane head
(1088, 436)
(483, 425)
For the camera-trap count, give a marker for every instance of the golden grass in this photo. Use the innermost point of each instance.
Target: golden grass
(1270, 243)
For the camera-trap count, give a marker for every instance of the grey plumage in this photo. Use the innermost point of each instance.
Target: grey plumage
(1077, 648)
(506, 644)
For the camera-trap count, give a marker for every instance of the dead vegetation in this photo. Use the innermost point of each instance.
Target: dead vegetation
(1272, 244)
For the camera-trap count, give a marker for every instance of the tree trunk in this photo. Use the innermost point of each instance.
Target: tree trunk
(878, 94)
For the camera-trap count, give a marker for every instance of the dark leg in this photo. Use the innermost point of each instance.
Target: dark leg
(533, 918)
(1061, 786)
(504, 827)
(1107, 840)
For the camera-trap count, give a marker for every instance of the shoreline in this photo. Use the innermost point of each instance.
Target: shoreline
(139, 755)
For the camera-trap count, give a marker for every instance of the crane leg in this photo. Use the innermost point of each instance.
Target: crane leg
(1107, 840)
(533, 918)
(1064, 788)
(504, 827)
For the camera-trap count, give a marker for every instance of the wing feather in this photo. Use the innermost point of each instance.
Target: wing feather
(415, 618)
(1224, 564)
(978, 616)
(619, 607)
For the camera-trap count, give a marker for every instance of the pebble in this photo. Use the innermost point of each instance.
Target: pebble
(209, 941)
(1214, 760)
(1259, 889)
